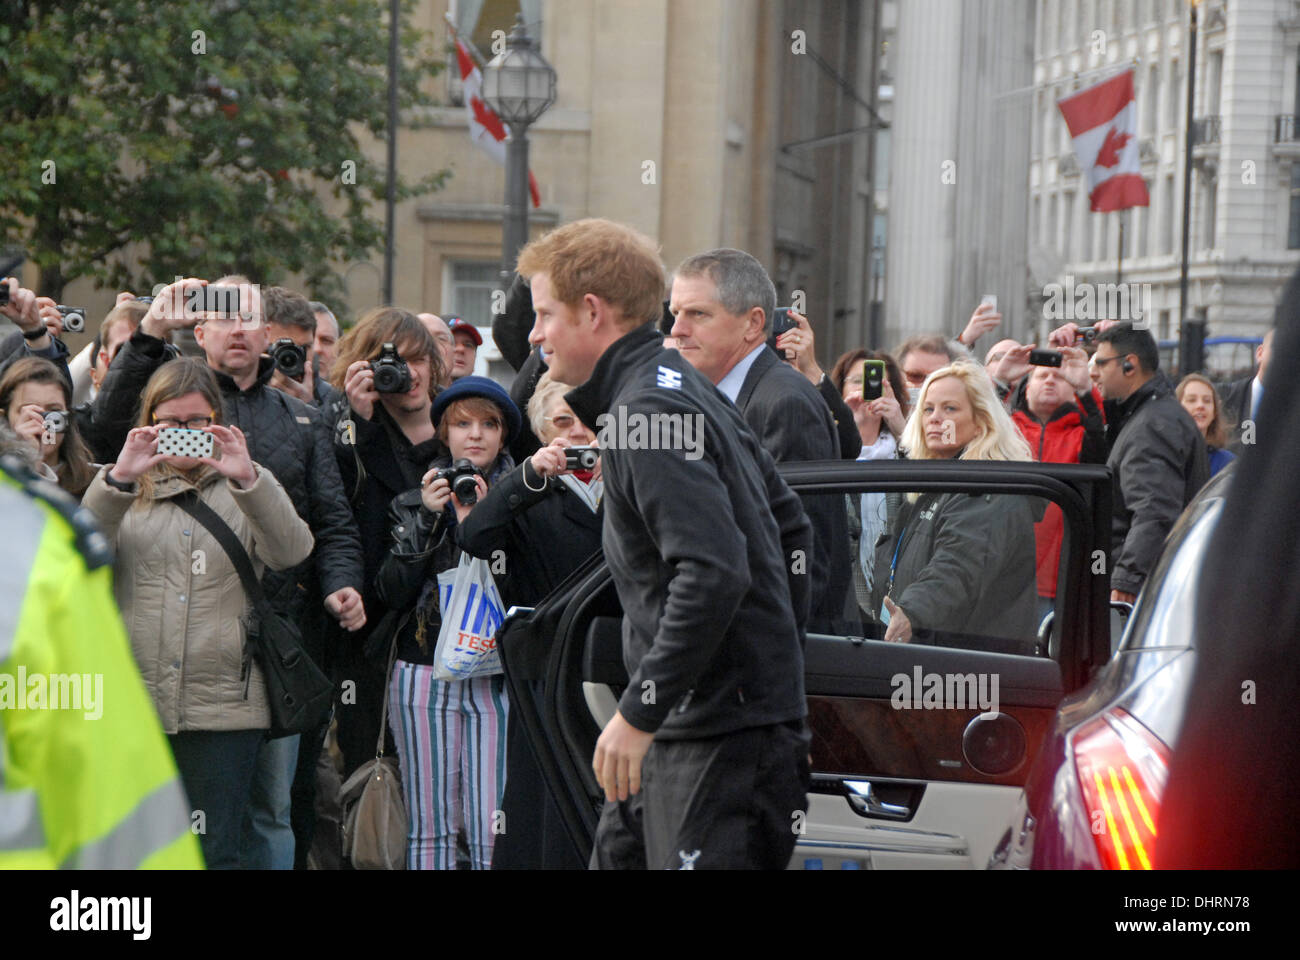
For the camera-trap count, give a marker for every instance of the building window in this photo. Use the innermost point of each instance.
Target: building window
(477, 20)
(1293, 239)
(1151, 102)
(470, 293)
(1067, 231)
(1167, 217)
(1210, 213)
(1171, 97)
(1144, 228)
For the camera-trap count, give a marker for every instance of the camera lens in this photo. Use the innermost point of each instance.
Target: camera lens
(466, 489)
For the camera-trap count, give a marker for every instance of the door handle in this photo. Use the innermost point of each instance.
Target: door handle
(862, 797)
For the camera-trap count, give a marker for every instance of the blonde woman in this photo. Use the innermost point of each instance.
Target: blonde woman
(957, 569)
(1201, 401)
(181, 598)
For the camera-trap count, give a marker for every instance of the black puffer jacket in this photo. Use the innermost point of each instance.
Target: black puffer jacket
(1159, 462)
(965, 571)
(289, 438)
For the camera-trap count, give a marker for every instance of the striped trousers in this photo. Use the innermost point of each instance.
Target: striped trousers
(451, 744)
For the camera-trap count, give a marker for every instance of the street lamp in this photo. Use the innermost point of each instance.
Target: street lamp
(1191, 333)
(519, 85)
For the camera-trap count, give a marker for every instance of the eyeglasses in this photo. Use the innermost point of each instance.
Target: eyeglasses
(193, 423)
(562, 421)
(1098, 361)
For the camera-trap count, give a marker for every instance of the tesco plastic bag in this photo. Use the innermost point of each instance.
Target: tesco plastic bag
(471, 612)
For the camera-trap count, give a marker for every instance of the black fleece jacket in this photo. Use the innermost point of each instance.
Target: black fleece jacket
(701, 542)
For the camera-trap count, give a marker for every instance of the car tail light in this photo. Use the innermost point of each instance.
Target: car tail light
(1122, 770)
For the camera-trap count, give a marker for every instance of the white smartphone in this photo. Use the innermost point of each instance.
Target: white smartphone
(990, 298)
(174, 442)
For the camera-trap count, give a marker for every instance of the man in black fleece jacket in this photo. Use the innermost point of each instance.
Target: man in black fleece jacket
(705, 764)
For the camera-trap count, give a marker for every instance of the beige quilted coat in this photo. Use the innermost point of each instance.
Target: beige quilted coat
(181, 599)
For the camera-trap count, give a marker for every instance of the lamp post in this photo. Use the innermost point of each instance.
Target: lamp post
(1190, 333)
(519, 85)
(390, 188)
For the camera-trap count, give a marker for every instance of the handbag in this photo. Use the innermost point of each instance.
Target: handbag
(374, 809)
(471, 612)
(299, 693)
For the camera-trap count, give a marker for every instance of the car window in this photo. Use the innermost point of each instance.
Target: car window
(973, 571)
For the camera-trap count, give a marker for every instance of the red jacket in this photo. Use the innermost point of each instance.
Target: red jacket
(1072, 434)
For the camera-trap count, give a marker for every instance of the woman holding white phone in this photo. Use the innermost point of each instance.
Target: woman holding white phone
(181, 598)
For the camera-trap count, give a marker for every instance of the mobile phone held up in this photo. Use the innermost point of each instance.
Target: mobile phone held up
(781, 322)
(175, 442)
(1045, 358)
(990, 299)
(873, 379)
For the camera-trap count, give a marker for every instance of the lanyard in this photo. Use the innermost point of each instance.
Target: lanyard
(893, 564)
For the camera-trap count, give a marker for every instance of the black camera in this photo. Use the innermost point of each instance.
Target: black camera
(1045, 358)
(290, 359)
(56, 421)
(4, 292)
(392, 375)
(1085, 335)
(461, 475)
(581, 458)
(74, 318)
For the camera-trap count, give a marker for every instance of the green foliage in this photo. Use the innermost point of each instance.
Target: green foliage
(168, 161)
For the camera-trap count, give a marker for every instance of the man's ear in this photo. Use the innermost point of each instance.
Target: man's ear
(756, 323)
(198, 335)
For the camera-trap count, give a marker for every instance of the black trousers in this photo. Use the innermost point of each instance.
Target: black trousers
(733, 802)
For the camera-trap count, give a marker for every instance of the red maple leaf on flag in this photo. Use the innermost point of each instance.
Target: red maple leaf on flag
(1108, 156)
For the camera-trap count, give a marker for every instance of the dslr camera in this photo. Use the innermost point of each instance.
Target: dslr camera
(392, 375)
(74, 318)
(290, 359)
(461, 475)
(581, 458)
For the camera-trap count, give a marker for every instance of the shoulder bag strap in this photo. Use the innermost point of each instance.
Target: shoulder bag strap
(200, 511)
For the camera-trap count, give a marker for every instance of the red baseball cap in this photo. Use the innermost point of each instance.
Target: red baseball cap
(456, 323)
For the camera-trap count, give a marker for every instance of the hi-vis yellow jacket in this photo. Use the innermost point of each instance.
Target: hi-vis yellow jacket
(87, 779)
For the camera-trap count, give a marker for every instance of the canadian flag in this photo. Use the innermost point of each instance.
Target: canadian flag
(485, 127)
(1103, 122)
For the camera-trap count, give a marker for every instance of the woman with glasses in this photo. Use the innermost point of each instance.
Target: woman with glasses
(181, 598)
(543, 520)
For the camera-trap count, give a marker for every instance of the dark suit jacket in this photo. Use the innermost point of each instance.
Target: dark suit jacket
(793, 422)
(1235, 398)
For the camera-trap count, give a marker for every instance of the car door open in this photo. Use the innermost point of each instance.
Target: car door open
(920, 748)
